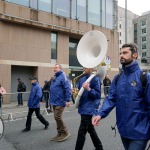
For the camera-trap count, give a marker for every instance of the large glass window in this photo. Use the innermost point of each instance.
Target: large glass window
(94, 12)
(53, 45)
(33, 4)
(20, 2)
(45, 5)
(109, 14)
(81, 10)
(73, 61)
(103, 12)
(61, 8)
(74, 9)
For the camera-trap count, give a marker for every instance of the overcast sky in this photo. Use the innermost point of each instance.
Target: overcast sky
(136, 6)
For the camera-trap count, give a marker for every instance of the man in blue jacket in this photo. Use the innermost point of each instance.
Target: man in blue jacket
(60, 95)
(131, 100)
(34, 105)
(88, 106)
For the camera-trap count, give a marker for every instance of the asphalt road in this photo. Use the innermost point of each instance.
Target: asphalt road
(39, 139)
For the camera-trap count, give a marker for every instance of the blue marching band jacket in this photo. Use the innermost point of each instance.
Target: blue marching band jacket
(132, 104)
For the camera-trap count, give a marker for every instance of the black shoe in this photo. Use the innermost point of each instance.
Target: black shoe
(25, 130)
(46, 126)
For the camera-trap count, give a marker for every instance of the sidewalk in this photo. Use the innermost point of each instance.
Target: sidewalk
(12, 111)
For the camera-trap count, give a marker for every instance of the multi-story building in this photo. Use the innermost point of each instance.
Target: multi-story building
(142, 38)
(122, 29)
(34, 35)
(122, 23)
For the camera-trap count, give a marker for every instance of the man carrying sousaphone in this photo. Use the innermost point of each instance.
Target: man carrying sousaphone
(89, 103)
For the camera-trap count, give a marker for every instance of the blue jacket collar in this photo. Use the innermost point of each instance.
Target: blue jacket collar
(131, 68)
(58, 73)
(35, 83)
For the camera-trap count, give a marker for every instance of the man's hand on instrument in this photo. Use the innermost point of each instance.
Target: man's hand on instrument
(95, 120)
(86, 86)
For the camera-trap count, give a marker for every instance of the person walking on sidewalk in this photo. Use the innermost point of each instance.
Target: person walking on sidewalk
(60, 95)
(34, 105)
(89, 103)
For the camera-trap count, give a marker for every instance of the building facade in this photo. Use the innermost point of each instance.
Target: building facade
(142, 38)
(122, 27)
(34, 35)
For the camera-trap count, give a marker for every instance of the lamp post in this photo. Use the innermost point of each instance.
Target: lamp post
(125, 21)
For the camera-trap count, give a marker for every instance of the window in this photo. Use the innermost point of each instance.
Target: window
(81, 10)
(135, 26)
(120, 33)
(143, 38)
(73, 61)
(120, 26)
(144, 46)
(94, 12)
(33, 4)
(109, 13)
(74, 9)
(143, 22)
(61, 8)
(120, 41)
(144, 54)
(45, 5)
(143, 30)
(20, 2)
(53, 45)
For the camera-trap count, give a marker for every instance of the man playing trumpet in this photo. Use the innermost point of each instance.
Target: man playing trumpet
(89, 103)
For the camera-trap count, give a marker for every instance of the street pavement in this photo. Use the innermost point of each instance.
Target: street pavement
(39, 139)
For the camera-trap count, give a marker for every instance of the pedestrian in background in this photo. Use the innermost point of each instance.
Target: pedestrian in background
(2, 91)
(89, 103)
(34, 105)
(106, 83)
(20, 90)
(45, 91)
(60, 95)
(132, 102)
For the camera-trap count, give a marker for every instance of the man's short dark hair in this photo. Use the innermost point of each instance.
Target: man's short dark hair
(133, 47)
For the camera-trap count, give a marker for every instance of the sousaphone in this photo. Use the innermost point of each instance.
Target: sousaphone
(91, 51)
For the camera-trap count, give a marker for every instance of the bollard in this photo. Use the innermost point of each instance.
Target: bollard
(10, 117)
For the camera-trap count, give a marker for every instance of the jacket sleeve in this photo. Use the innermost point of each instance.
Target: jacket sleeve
(95, 91)
(109, 102)
(147, 94)
(38, 95)
(67, 89)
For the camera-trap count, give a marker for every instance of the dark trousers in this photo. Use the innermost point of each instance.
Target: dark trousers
(86, 126)
(20, 101)
(72, 99)
(38, 115)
